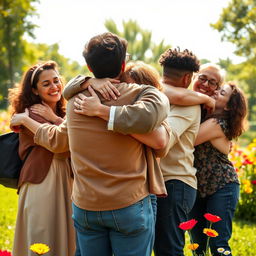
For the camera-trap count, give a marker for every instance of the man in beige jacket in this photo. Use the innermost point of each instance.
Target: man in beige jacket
(111, 203)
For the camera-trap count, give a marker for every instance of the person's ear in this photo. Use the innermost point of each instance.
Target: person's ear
(35, 91)
(123, 67)
(89, 68)
(187, 79)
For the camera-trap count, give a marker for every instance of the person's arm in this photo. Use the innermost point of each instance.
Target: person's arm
(52, 137)
(24, 119)
(104, 86)
(184, 97)
(147, 112)
(209, 130)
(157, 139)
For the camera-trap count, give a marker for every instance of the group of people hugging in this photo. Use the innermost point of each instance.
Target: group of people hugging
(129, 157)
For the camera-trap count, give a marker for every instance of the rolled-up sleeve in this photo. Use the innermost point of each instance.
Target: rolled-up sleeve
(148, 111)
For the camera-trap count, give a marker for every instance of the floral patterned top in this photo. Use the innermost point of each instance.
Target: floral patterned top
(214, 169)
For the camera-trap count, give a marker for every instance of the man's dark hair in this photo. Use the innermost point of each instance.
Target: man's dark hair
(175, 61)
(105, 54)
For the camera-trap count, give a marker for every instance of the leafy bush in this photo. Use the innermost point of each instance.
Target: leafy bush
(244, 159)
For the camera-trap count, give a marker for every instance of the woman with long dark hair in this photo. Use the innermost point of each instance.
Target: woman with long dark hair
(218, 184)
(45, 183)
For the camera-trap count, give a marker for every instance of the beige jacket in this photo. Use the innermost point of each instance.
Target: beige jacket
(110, 168)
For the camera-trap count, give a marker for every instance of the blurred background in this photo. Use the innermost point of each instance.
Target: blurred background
(218, 31)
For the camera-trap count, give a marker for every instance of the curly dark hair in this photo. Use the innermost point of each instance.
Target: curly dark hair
(179, 60)
(235, 113)
(22, 96)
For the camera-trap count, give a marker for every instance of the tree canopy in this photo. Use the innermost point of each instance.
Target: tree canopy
(237, 24)
(140, 44)
(15, 22)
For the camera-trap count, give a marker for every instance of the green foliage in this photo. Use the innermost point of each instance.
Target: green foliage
(8, 206)
(237, 24)
(17, 55)
(15, 22)
(244, 159)
(140, 45)
(40, 52)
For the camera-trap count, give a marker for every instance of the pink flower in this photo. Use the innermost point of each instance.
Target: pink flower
(253, 182)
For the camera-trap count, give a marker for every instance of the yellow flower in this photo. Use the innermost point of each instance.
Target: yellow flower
(248, 189)
(227, 253)
(39, 249)
(193, 247)
(246, 182)
(210, 232)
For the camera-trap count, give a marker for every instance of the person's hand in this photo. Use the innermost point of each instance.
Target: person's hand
(18, 120)
(88, 106)
(105, 87)
(45, 111)
(210, 105)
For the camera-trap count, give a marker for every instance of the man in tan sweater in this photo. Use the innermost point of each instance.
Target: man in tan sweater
(111, 203)
(177, 167)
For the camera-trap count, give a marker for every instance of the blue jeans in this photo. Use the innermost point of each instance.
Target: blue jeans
(222, 203)
(171, 211)
(123, 232)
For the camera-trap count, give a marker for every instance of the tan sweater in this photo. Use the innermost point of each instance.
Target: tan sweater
(178, 164)
(110, 169)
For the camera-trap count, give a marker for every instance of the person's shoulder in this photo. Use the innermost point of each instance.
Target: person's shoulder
(133, 87)
(191, 112)
(192, 108)
(77, 79)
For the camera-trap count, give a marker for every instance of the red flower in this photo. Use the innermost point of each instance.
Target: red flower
(253, 182)
(247, 161)
(188, 224)
(5, 253)
(212, 218)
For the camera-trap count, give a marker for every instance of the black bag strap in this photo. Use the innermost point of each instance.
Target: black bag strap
(29, 151)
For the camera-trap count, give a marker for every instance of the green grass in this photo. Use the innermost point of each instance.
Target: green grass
(242, 241)
(8, 210)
